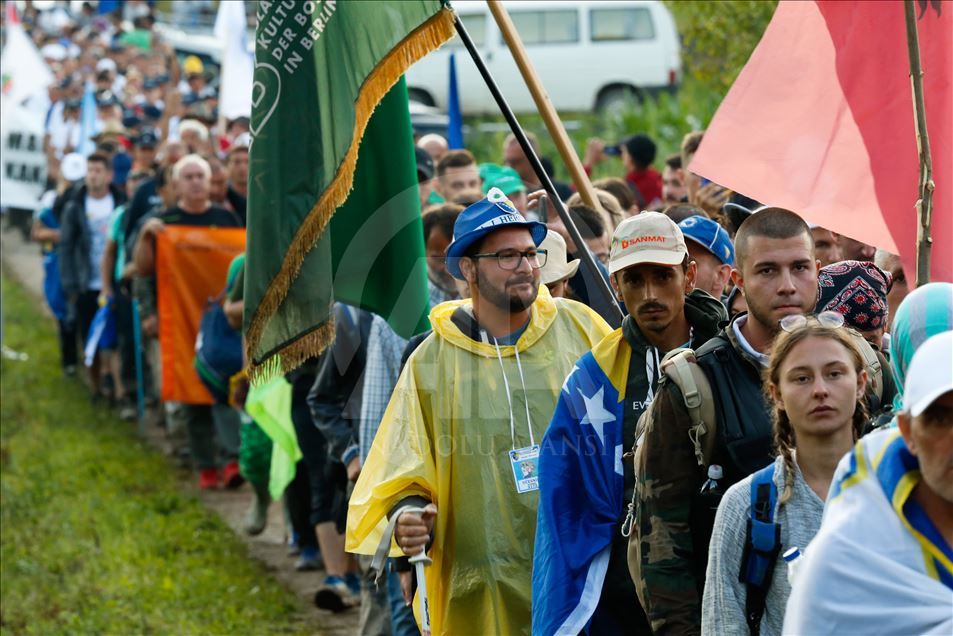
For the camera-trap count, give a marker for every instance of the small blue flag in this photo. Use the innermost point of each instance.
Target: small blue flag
(108, 6)
(102, 332)
(455, 125)
(87, 122)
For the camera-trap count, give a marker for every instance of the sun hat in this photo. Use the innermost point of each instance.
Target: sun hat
(492, 213)
(556, 268)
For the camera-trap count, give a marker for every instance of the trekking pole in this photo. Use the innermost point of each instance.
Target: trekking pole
(420, 561)
(137, 347)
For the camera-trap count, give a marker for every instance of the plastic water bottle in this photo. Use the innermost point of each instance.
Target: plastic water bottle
(703, 509)
(711, 486)
(794, 558)
(711, 493)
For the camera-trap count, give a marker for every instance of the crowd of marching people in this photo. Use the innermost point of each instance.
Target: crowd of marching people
(764, 445)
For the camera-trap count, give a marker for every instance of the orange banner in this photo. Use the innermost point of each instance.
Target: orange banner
(191, 266)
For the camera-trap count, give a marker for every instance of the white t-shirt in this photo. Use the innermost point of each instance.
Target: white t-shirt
(63, 133)
(99, 213)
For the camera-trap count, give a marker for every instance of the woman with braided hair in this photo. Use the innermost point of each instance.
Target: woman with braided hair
(815, 383)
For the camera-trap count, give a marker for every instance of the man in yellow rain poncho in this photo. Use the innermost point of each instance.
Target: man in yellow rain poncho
(462, 431)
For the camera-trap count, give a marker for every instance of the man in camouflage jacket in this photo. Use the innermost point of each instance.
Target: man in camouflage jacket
(777, 272)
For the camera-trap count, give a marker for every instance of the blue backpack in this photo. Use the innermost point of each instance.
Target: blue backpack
(762, 546)
(218, 350)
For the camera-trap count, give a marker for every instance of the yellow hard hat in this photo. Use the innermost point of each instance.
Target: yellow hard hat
(193, 66)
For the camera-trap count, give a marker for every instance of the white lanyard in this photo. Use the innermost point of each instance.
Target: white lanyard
(509, 399)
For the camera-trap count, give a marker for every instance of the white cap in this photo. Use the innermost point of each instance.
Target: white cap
(243, 139)
(106, 64)
(649, 237)
(73, 166)
(54, 51)
(556, 268)
(930, 374)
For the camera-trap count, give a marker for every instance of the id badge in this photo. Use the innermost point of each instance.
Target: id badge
(525, 462)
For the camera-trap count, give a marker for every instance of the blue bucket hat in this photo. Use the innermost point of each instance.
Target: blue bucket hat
(488, 215)
(710, 235)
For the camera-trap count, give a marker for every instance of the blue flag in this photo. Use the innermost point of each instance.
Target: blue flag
(108, 6)
(87, 122)
(581, 492)
(102, 332)
(455, 125)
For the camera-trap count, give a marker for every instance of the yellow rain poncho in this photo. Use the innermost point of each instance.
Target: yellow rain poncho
(446, 436)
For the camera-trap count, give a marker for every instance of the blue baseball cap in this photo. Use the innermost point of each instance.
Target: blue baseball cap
(484, 217)
(122, 165)
(710, 235)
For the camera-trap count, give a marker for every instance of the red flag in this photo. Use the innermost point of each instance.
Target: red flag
(820, 121)
(11, 13)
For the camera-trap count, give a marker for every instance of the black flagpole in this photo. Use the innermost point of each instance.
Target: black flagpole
(609, 307)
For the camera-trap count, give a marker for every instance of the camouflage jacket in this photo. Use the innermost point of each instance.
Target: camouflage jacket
(668, 577)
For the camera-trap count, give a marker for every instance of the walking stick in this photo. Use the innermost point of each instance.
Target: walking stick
(420, 561)
(924, 205)
(137, 346)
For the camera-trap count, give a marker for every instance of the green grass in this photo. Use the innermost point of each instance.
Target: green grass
(97, 535)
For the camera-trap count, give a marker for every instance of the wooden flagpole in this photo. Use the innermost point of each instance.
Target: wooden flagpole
(602, 298)
(924, 205)
(544, 105)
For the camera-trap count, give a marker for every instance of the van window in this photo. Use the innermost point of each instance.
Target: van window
(475, 24)
(607, 25)
(547, 27)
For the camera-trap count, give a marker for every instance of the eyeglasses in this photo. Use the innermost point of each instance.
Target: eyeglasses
(511, 259)
(829, 319)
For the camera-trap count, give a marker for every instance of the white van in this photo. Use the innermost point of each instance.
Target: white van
(589, 55)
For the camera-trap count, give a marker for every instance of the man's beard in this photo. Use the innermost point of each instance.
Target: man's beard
(763, 316)
(501, 297)
(651, 325)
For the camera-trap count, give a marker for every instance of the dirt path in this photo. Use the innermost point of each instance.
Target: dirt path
(23, 261)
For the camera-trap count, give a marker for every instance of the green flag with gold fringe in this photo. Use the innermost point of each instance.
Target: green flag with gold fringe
(333, 206)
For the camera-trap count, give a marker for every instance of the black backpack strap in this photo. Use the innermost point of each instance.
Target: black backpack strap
(762, 546)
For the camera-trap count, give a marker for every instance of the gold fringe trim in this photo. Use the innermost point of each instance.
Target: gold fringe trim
(427, 37)
(292, 355)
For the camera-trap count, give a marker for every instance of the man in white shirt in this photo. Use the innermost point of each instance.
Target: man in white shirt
(63, 128)
(85, 227)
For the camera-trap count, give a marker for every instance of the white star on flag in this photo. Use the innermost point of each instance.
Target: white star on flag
(596, 413)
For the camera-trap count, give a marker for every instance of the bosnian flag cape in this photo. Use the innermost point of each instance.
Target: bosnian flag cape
(878, 564)
(581, 490)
